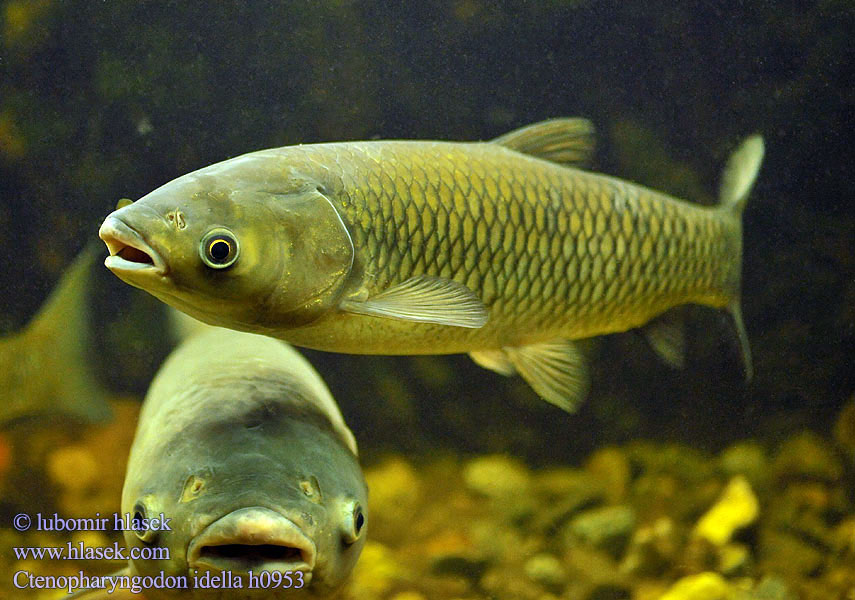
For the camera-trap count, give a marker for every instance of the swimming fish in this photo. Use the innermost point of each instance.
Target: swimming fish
(44, 368)
(242, 447)
(504, 250)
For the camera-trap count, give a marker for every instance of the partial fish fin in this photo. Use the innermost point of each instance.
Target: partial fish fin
(666, 335)
(740, 173)
(555, 370)
(735, 312)
(563, 141)
(736, 183)
(44, 369)
(495, 360)
(107, 593)
(123, 202)
(425, 299)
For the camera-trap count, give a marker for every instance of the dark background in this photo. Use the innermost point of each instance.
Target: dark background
(104, 100)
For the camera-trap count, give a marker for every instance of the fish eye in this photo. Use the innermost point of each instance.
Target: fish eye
(139, 524)
(354, 524)
(219, 248)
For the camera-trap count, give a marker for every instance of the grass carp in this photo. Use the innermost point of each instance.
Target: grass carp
(242, 448)
(505, 249)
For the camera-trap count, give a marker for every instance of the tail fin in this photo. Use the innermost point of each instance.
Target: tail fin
(736, 183)
(44, 369)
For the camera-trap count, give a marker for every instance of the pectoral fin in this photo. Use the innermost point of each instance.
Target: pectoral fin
(666, 335)
(425, 299)
(555, 370)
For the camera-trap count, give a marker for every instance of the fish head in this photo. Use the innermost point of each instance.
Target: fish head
(245, 244)
(256, 491)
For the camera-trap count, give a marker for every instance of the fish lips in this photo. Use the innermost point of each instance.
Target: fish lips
(129, 252)
(253, 539)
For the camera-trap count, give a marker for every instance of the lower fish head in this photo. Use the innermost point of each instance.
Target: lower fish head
(265, 492)
(234, 245)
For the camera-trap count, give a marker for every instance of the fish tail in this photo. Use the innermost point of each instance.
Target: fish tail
(56, 343)
(736, 183)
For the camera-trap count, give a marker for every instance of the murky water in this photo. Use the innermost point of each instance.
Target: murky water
(667, 483)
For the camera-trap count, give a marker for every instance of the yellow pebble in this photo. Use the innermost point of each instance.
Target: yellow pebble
(409, 595)
(703, 586)
(736, 508)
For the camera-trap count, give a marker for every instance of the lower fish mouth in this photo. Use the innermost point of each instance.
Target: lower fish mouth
(128, 250)
(253, 539)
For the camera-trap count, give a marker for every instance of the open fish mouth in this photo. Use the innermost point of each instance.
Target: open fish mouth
(253, 539)
(128, 250)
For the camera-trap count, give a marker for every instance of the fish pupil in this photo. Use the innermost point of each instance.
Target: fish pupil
(360, 521)
(220, 250)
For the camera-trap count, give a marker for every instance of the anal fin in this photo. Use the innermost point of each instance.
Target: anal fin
(556, 370)
(425, 299)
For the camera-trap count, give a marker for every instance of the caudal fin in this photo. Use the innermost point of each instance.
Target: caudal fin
(44, 369)
(736, 183)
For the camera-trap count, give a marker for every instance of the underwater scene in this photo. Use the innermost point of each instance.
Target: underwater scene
(437, 300)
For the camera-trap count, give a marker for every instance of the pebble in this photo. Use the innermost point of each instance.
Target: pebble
(607, 528)
(651, 549)
(546, 569)
(376, 573)
(564, 492)
(73, 468)
(807, 456)
(771, 588)
(736, 508)
(785, 553)
(748, 459)
(507, 584)
(497, 476)
(395, 493)
(610, 467)
(408, 595)
(703, 586)
(734, 560)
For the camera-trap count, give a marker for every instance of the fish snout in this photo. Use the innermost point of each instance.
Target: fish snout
(253, 539)
(128, 250)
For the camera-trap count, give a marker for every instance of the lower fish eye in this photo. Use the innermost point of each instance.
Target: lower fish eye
(219, 248)
(140, 525)
(354, 524)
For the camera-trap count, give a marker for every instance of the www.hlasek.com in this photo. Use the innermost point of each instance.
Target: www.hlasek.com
(135, 583)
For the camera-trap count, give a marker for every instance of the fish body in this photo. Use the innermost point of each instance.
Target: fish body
(499, 249)
(241, 446)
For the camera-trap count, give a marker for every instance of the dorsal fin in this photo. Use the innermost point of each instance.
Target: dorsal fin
(563, 141)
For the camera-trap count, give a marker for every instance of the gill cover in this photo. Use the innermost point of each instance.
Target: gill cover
(320, 258)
